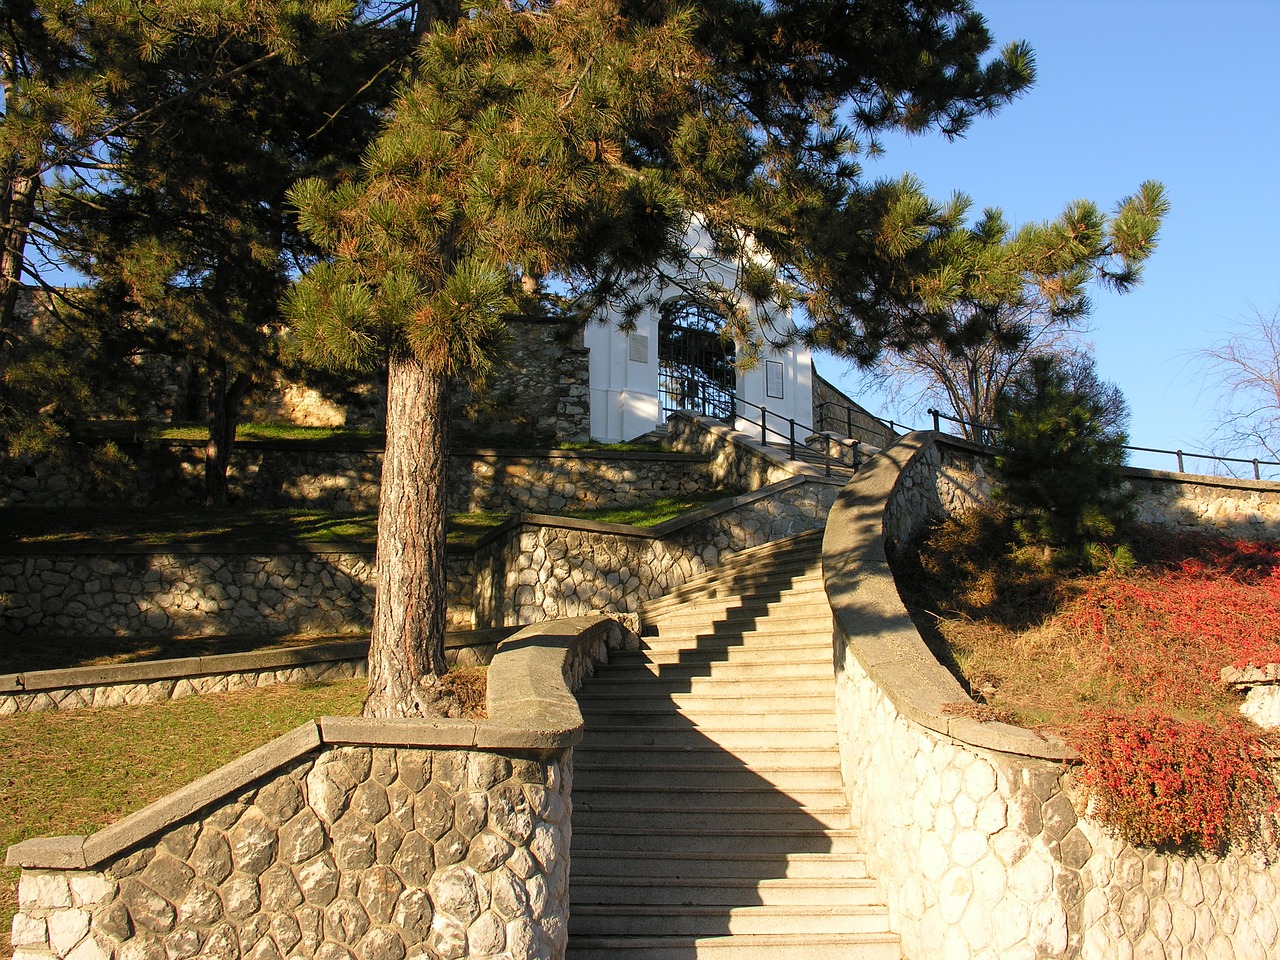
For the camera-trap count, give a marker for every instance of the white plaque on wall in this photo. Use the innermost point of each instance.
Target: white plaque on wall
(639, 347)
(773, 378)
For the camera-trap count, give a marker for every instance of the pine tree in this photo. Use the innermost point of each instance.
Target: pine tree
(187, 240)
(1060, 455)
(1000, 297)
(565, 153)
(156, 147)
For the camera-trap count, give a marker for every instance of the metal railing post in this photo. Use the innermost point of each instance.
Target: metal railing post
(764, 434)
(937, 423)
(1257, 474)
(848, 422)
(827, 462)
(791, 420)
(1178, 453)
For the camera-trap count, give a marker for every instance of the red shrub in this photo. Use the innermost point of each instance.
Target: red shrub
(1161, 782)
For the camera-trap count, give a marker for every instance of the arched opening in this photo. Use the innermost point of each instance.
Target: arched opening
(696, 368)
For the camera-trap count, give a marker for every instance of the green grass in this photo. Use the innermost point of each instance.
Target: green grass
(153, 527)
(125, 431)
(74, 772)
(654, 512)
(340, 438)
(226, 525)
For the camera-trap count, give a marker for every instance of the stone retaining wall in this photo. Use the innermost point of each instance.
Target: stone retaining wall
(972, 828)
(534, 569)
(151, 681)
(304, 475)
(550, 568)
(345, 838)
(734, 458)
(1240, 508)
(186, 592)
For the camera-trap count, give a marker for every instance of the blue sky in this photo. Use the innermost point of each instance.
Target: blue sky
(1182, 91)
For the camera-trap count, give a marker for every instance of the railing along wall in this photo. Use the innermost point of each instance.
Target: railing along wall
(986, 432)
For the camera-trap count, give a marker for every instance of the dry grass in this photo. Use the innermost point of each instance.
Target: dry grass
(1048, 648)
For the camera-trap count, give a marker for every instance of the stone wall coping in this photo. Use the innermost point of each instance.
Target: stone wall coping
(531, 708)
(864, 600)
(773, 455)
(34, 681)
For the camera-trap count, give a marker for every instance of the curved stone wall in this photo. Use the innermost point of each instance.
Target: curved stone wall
(972, 828)
(345, 838)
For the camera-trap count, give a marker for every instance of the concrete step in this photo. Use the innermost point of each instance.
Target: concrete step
(732, 587)
(737, 777)
(814, 632)
(648, 692)
(859, 946)
(624, 920)
(710, 817)
(751, 797)
(728, 740)
(644, 710)
(728, 635)
(727, 583)
(604, 839)
(646, 683)
(746, 864)
(781, 649)
(702, 759)
(631, 666)
(709, 726)
(590, 889)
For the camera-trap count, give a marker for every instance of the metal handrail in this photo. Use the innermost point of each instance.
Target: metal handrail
(790, 435)
(1181, 455)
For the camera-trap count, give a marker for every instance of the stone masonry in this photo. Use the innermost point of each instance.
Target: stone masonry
(974, 828)
(382, 840)
(374, 852)
(263, 474)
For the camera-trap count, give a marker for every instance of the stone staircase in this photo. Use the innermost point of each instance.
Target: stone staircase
(709, 818)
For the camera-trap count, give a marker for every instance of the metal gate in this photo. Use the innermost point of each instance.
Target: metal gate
(695, 363)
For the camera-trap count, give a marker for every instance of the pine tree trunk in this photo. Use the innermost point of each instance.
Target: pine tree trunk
(17, 205)
(407, 647)
(224, 415)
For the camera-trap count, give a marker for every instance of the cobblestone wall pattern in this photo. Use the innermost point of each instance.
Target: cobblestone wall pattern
(379, 853)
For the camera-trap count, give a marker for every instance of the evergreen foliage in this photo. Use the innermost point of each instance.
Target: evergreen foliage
(162, 146)
(584, 153)
(1060, 455)
(1001, 297)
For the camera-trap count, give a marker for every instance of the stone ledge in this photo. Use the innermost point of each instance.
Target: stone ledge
(870, 614)
(37, 681)
(104, 548)
(531, 708)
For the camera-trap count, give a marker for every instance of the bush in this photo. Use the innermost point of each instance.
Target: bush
(1060, 452)
(972, 564)
(1160, 782)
